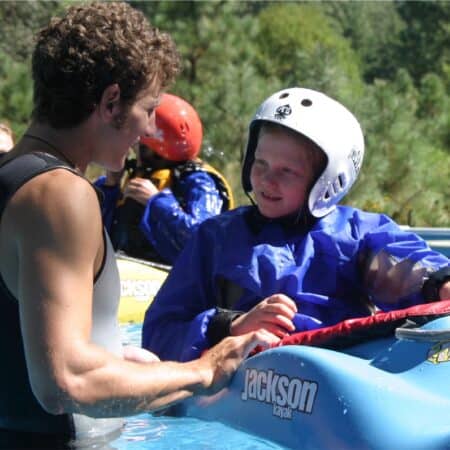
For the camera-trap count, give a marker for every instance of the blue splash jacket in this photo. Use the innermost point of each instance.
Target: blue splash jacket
(331, 270)
(167, 220)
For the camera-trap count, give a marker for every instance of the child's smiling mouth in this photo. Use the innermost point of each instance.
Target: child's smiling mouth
(269, 197)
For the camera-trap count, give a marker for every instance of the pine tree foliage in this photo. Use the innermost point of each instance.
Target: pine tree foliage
(386, 61)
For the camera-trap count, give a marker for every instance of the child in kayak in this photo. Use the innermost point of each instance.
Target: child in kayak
(166, 191)
(295, 260)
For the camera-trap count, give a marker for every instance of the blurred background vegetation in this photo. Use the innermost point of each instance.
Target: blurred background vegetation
(388, 62)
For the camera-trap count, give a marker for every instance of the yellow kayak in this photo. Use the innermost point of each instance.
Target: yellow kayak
(139, 282)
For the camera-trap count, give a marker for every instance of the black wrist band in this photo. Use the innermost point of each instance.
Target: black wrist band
(219, 325)
(432, 285)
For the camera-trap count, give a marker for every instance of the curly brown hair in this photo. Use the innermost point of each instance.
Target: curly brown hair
(93, 46)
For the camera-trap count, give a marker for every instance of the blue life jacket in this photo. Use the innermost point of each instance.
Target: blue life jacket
(190, 192)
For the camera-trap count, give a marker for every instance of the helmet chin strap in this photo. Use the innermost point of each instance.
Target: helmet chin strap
(252, 200)
(299, 215)
(303, 217)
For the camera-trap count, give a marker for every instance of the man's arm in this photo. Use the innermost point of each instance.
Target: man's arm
(58, 236)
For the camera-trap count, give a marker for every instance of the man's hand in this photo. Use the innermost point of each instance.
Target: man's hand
(140, 189)
(274, 314)
(221, 361)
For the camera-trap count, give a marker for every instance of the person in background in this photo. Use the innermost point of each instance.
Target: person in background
(154, 205)
(98, 73)
(6, 138)
(295, 260)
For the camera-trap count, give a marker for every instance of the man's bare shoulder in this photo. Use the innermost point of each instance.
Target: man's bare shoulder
(57, 185)
(52, 221)
(57, 198)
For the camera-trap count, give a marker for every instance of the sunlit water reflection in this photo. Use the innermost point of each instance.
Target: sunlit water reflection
(145, 431)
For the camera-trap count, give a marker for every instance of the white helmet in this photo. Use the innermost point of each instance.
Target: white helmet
(328, 124)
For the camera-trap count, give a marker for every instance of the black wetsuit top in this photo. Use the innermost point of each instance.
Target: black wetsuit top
(19, 409)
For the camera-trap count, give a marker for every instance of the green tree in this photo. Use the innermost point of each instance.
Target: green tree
(15, 93)
(386, 61)
(434, 110)
(299, 46)
(404, 170)
(425, 41)
(19, 22)
(373, 30)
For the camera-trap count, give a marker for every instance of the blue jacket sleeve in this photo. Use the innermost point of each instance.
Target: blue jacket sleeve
(110, 196)
(395, 264)
(175, 324)
(168, 224)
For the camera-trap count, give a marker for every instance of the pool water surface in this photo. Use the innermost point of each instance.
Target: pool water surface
(146, 431)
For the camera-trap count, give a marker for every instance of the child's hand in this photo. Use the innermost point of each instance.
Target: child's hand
(140, 189)
(274, 314)
(444, 291)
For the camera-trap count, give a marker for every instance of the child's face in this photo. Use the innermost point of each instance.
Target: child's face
(281, 174)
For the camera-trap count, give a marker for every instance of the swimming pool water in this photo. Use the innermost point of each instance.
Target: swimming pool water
(146, 431)
(168, 433)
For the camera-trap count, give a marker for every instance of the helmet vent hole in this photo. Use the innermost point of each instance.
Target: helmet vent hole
(341, 181)
(284, 95)
(306, 102)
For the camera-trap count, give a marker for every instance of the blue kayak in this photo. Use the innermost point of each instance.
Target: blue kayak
(381, 382)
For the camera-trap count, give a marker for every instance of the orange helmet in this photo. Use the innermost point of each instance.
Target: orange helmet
(179, 132)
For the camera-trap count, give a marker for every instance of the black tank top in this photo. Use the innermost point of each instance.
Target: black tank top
(19, 409)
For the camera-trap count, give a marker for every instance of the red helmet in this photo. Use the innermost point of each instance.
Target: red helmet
(179, 133)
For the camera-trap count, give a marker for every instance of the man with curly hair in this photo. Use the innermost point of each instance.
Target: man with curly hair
(98, 74)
